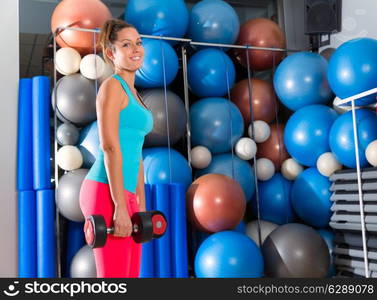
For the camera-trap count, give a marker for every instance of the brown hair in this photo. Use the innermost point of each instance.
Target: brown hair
(109, 34)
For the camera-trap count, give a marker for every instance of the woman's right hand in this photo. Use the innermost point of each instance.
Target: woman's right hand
(122, 222)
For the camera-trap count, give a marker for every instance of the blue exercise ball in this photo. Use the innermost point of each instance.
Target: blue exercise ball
(300, 80)
(211, 73)
(274, 200)
(89, 144)
(306, 135)
(243, 172)
(158, 17)
(160, 163)
(216, 123)
(328, 236)
(228, 254)
(213, 21)
(342, 141)
(311, 198)
(353, 69)
(160, 64)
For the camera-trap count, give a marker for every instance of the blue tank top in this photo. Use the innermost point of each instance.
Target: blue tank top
(135, 122)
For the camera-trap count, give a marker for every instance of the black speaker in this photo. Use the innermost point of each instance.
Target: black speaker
(323, 16)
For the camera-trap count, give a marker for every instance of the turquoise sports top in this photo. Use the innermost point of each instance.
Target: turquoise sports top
(135, 122)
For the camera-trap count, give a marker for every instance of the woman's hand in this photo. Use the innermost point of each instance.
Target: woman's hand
(122, 222)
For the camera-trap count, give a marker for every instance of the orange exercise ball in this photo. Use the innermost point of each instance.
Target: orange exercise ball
(215, 202)
(274, 148)
(260, 32)
(264, 101)
(89, 14)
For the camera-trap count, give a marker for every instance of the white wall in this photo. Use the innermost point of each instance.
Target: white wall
(9, 77)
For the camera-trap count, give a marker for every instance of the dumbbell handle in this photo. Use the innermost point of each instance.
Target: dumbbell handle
(135, 228)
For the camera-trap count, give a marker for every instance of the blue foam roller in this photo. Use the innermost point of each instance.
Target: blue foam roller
(41, 133)
(46, 240)
(178, 230)
(75, 241)
(147, 258)
(162, 249)
(24, 143)
(27, 238)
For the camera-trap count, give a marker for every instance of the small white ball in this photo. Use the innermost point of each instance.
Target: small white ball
(201, 157)
(371, 153)
(108, 71)
(92, 66)
(262, 131)
(69, 158)
(265, 228)
(327, 164)
(245, 148)
(265, 169)
(67, 61)
(291, 169)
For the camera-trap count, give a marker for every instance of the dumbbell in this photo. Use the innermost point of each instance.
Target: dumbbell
(145, 226)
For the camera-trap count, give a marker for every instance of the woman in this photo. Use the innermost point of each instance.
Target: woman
(114, 186)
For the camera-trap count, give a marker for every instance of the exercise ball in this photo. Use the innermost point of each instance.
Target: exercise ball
(311, 198)
(353, 69)
(211, 73)
(291, 169)
(295, 250)
(160, 64)
(265, 169)
(273, 148)
(263, 100)
(245, 148)
(92, 66)
(158, 17)
(83, 264)
(327, 164)
(201, 157)
(371, 153)
(274, 200)
(260, 32)
(215, 202)
(228, 254)
(166, 127)
(306, 134)
(68, 195)
(241, 227)
(108, 71)
(67, 61)
(67, 134)
(69, 158)
(163, 165)
(216, 123)
(233, 167)
(300, 80)
(261, 131)
(213, 21)
(252, 230)
(326, 53)
(342, 140)
(75, 99)
(328, 236)
(89, 144)
(87, 14)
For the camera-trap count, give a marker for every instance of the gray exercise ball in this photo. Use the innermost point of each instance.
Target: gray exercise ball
(295, 250)
(326, 53)
(67, 134)
(265, 228)
(76, 99)
(68, 195)
(155, 101)
(83, 264)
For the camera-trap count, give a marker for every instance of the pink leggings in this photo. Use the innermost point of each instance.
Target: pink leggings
(121, 256)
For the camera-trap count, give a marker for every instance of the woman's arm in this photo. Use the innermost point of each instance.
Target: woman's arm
(140, 190)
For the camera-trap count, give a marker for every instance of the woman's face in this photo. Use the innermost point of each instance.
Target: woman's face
(129, 51)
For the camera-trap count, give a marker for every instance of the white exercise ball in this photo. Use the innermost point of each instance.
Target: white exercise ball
(262, 131)
(265, 169)
(265, 227)
(92, 66)
(69, 158)
(291, 169)
(371, 153)
(67, 61)
(107, 72)
(201, 157)
(327, 164)
(245, 148)
(83, 264)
